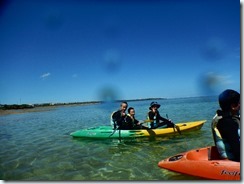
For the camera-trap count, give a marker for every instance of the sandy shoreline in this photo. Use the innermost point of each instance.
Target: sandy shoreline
(52, 107)
(21, 111)
(35, 109)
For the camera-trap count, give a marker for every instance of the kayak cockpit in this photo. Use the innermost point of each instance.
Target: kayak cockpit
(210, 153)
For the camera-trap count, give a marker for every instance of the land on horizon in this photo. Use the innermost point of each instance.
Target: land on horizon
(30, 106)
(25, 108)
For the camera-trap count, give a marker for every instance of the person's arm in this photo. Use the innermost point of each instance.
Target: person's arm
(117, 117)
(162, 118)
(168, 122)
(136, 122)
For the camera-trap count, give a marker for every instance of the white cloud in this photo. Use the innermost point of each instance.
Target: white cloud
(45, 75)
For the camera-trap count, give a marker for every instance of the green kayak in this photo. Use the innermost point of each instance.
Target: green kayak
(106, 132)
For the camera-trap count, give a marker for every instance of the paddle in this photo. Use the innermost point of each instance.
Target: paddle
(175, 126)
(146, 121)
(116, 127)
(113, 132)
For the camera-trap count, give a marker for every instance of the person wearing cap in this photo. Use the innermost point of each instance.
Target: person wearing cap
(156, 118)
(226, 125)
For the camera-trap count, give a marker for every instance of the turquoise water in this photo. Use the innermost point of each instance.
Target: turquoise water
(37, 146)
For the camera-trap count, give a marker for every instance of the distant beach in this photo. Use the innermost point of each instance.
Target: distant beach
(50, 106)
(21, 111)
(35, 109)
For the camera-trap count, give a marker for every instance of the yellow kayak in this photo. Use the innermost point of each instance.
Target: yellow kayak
(106, 132)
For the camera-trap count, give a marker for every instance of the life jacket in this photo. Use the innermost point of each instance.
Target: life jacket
(219, 143)
(222, 146)
(155, 121)
(215, 121)
(133, 119)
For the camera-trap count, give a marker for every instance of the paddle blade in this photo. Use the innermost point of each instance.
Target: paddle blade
(147, 121)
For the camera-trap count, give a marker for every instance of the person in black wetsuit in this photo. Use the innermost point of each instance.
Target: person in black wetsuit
(226, 125)
(132, 122)
(118, 118)
(157, 120)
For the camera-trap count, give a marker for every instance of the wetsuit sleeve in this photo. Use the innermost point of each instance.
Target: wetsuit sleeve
(136, 121)
(129, 123)
(117, 117)
(162, 119)
(229, 132)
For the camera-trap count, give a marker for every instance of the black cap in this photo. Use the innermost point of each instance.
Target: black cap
(154, 104)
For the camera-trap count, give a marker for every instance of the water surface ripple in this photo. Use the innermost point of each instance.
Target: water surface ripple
(37, 146)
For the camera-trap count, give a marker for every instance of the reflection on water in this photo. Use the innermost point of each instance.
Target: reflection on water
(37, 146)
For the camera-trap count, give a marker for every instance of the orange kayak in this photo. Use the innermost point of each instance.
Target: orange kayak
(204, 163)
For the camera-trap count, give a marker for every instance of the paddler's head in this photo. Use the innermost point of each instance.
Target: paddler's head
(154, 106)
(229, 101)
(131, 111)
(123, 106)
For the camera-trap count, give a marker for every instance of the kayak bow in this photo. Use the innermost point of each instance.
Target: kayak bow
(204, 163)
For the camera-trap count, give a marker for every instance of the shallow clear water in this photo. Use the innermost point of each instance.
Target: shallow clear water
(37, 146)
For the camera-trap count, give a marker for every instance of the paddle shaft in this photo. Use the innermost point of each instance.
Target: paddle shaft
(146, 121)
(175, 126)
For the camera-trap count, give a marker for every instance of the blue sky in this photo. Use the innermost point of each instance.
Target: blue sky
(69, 51)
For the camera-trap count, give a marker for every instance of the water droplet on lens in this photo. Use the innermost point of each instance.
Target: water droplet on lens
(112, 60)
(214, 49)
(109, 95)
